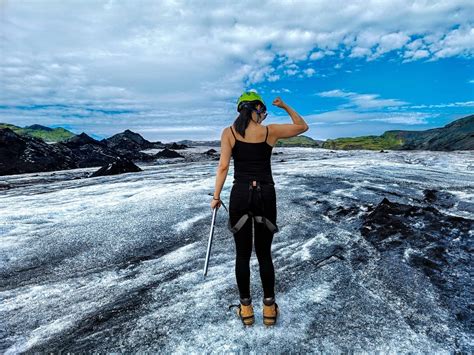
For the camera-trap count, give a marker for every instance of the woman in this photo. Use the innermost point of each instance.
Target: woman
(252, 198)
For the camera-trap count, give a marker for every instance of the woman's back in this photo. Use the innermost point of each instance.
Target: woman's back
(252, 160)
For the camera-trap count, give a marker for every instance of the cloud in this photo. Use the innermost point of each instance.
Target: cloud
(361, 101)
(459, 41)
(309, 72)
(320, 54)
(277, 91)
(451, 104)
(414, 55)
(342, 117)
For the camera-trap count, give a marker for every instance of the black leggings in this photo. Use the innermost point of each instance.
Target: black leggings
(263, 236)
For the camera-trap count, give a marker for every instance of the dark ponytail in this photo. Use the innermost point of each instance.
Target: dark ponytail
(242, 121)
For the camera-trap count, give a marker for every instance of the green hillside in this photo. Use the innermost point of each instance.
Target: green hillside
(14, 128)
(298, 141)
(388, 140)
(457, 135)
(45, 133)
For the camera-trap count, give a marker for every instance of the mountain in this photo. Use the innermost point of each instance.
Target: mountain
(128, 140)
(46, 133)
(298, 141)
(22, 153)
(457, 135)
(385, 141)
(90, 152)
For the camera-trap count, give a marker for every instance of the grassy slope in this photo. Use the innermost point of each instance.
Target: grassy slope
(449, 136)
(388, 140)
(54, 135)
(297, 141)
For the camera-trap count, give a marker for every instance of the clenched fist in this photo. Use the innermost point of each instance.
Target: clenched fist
(278, 102)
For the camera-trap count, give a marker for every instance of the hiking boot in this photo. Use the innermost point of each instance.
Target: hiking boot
(245, 311)
(270, 311)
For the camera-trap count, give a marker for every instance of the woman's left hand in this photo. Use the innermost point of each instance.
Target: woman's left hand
(215, 203)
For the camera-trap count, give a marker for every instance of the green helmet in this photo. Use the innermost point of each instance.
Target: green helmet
(249, 96)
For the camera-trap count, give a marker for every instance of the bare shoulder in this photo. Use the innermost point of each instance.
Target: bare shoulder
(226, 135)
(272, 129)
(225, 131)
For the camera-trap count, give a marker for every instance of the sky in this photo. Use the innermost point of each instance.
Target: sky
(173, 70)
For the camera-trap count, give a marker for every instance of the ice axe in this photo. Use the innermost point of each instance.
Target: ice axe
(211, 234)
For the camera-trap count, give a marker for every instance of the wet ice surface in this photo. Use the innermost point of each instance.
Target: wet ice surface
(115, 263)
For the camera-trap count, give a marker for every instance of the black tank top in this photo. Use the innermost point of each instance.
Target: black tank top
(252, 160)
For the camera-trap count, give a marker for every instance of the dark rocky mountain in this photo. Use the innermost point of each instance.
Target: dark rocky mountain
(457, 135)
(167, 153)
(119, 166)
(89, 152)
(130, 144)
(128, 140)
(25, 154)
(81, 140)
(174, 145)
(22, 153)
(210, 152)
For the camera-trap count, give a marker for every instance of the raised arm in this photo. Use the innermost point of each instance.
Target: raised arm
(288, 130)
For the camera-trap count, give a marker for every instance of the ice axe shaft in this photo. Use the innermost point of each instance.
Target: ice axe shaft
(211, 234)
(209, 244)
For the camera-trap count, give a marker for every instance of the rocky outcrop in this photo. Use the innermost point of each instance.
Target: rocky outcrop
(25, 154)
(174, 145)
(130, 141)
(167, 153)
(210, 152)
(119, 166)
(89, 152)
(129, 145)
(437, 244)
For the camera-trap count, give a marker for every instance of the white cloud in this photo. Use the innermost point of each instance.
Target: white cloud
(417, 54)
(316, 55)
(361, 101)
(451, 104)
(309, 72)
(343, 117)
(358, 52)
(291, 72)
(320, 54)
(391, 41)
(457, 42)
(277, 91)
(334, 93)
